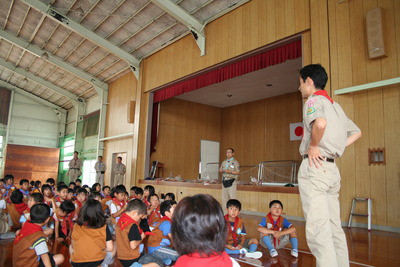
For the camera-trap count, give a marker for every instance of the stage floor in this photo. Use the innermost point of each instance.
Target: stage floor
(375, 248)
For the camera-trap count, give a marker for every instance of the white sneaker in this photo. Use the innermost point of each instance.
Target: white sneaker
(254, 254)
(242, 251)
(273, 253)
(294, 253)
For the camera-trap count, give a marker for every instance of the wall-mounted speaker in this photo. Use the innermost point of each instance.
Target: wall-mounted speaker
(131, 111)
(374, 23)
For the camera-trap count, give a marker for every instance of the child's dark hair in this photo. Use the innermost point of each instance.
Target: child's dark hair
(199, 226)
(94, 194)
(152, 195)
(2, 180)
(61, 187)
(78, 181)
(37, 197)
(38, 183)
(32, 183)
(170, 195)
(81, 191)
(94, 186)
(70, 190)
(16, 197)
(50, 181)
(91, 214)
(106, 186)
(45, 187)
(235, 203)
(136, 204)
(166, 206)
(138, 191)
(317, 73)
(23, 181)
(133, 188)
(67, 206)
(72, 183)
(119, 189)
(8, 177)
(275, 202)
(39, 213)
(150, 188)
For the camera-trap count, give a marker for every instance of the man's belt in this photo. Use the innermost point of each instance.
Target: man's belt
(74, 169)
(327, 159)
(102, 172)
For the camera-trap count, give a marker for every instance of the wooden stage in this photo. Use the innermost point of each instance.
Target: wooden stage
(375, 248)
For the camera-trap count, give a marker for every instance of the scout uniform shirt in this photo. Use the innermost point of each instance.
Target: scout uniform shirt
(232, 165)
(120, 169)
(338, 126)
(100, 166)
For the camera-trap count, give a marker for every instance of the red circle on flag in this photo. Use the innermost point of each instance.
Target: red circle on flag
(298, 131)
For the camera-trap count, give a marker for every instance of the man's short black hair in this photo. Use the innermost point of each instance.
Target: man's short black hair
(16, 197)
(231, 149)
(67, 206)
(138, 205)
(23, 181)
(39, 213)
(235, 203)
(8, 177)
(275, 202)
(37, 197)
(76, 152)
(61, 187)
(317, 73)
(78, 181)
(139, 191)
(50, 181)
(166, 206)
(119, 158)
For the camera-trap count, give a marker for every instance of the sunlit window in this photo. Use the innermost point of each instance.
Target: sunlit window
(89, 173)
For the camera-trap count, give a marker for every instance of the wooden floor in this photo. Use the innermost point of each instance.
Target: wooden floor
(375, 248)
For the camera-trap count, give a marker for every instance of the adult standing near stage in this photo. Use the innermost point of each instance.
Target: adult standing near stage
(100, 168)
(75, 168)
(230, 172)
(119, 172)
(327, 131)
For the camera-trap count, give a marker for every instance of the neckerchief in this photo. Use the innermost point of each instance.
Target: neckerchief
(146, 202)
(58, 199)
(80, 204)
(27, 229)
(24, 192)
(119, 203)
(275, 225)
(233, 232)
(124, 221)
(228, 163)
(154, 215)
(323, 93)
(20, 207)
(67, 223)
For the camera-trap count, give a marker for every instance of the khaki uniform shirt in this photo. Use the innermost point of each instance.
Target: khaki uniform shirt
(120, 168)
(75, 164)
(100, 166)
(232, 165)
(338, 126)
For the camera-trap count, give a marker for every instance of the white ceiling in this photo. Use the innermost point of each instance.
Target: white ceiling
(284, 78)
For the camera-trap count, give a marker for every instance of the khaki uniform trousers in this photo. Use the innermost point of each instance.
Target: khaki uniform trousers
(228, 193)
(319, 193)
(118, 179)
(73, 174)
(100, 178)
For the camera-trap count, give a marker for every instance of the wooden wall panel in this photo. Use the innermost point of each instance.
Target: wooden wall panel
(182, 125)
(32, 163)
(255, 24)
(261, 129)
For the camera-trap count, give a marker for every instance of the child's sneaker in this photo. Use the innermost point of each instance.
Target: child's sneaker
(242, 251)
(273, 253)
(254, 254)
(294, 253)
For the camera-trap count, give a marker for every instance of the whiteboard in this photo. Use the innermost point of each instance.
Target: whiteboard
(209, 159)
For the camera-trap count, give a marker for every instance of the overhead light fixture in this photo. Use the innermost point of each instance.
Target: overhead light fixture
(45, 56)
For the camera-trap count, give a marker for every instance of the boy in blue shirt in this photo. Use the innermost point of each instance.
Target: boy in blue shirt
(276, 231)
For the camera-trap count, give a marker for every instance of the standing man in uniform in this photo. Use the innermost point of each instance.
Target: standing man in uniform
(327, 131)
(100, 168)
(230, 172)
(119, 172)
(75, 166)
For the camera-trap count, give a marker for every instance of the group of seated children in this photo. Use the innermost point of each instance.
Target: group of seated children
(100, 224)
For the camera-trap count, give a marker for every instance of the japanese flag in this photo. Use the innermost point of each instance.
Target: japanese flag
(296, 131)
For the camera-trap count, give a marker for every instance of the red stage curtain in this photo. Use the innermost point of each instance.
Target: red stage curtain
(257, 62)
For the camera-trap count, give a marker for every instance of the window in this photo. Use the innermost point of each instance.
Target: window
(88, 172)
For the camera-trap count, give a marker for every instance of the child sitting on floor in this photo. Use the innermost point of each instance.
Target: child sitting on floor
(62, 194)
(153, 210)
(276, 231)
(237, 243)
(63, 220)
(24, 188)
(30, 242)
(199, 233)
(16, 208)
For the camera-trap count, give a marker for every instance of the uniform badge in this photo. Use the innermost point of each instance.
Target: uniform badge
(310, 110)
